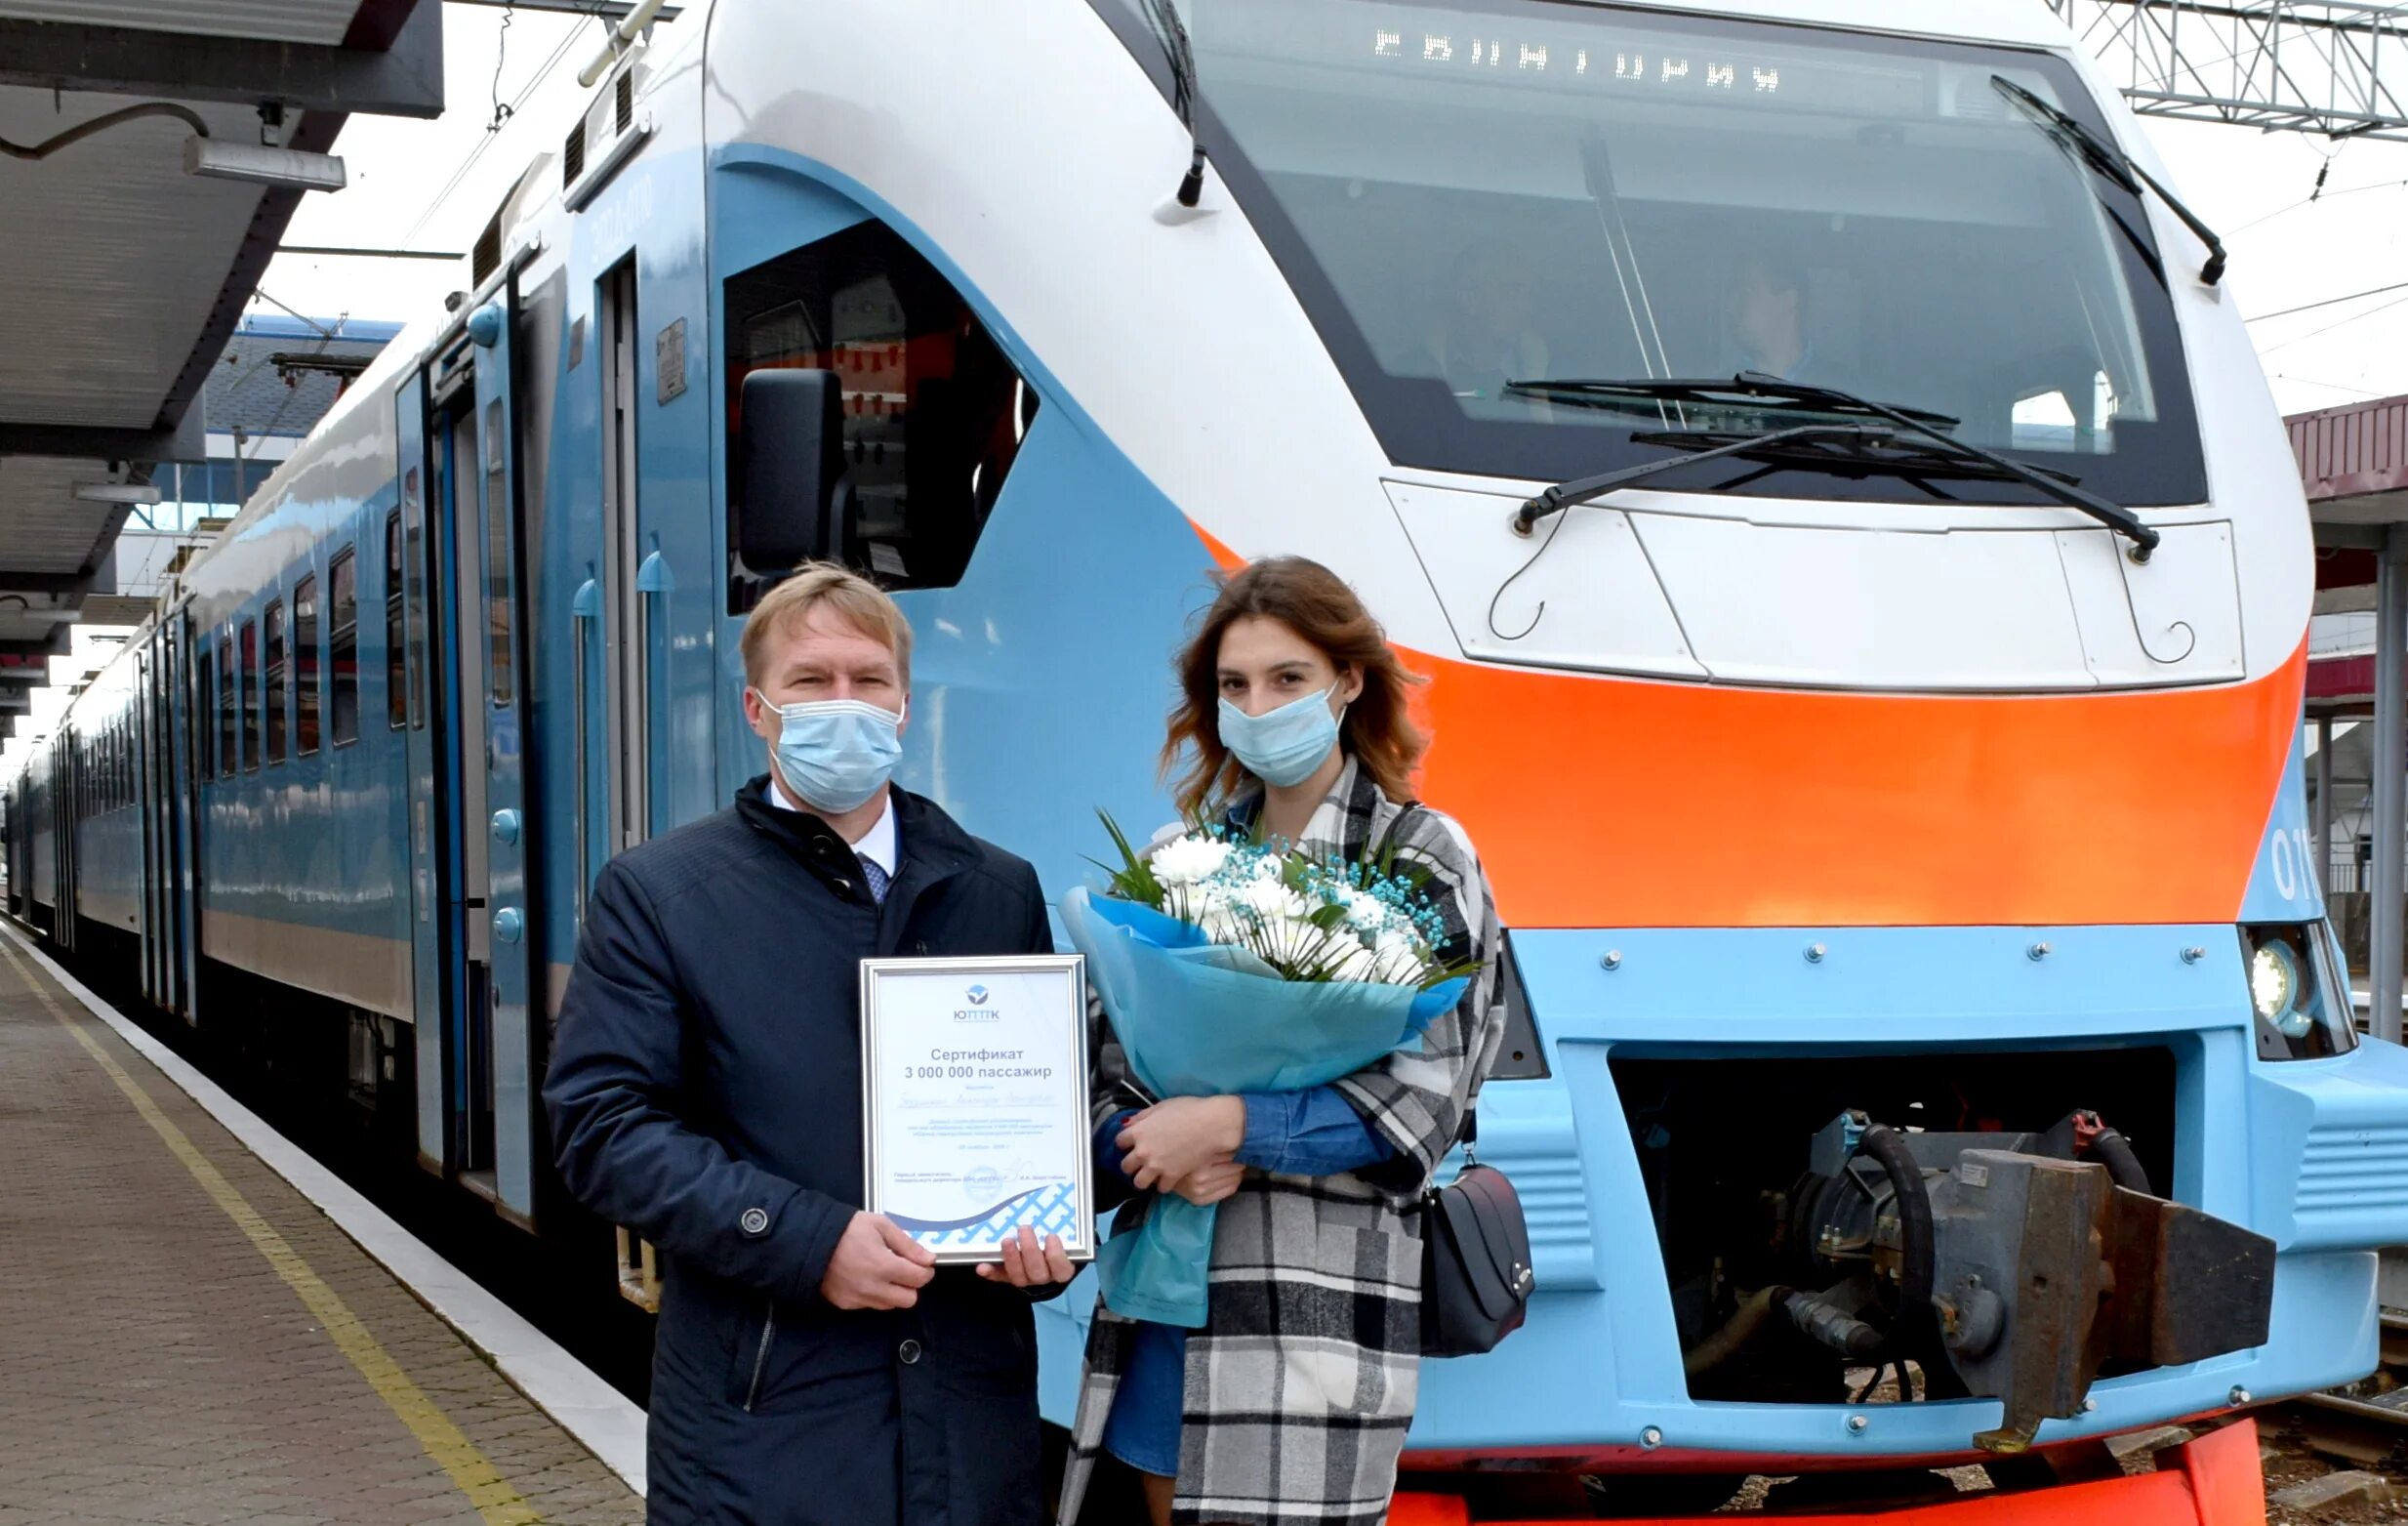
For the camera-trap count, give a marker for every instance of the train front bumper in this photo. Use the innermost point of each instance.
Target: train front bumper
(2313, 1154)
(2211, 1481)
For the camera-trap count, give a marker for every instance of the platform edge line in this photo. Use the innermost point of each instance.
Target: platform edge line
(599, 1418)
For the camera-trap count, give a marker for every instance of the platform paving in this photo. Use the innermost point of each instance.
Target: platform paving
(186, 1339)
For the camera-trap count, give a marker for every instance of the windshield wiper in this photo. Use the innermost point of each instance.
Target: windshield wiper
(1750, 384)
(1603, 392)
(2117, 166)
(1871, 449)
(1163, 17)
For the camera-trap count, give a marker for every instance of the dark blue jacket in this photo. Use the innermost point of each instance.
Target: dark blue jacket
(705, 1088)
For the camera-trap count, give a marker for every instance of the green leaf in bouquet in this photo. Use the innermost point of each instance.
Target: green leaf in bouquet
(1135, 879)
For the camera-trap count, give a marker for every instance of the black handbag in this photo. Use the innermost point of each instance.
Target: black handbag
(1476, 1276)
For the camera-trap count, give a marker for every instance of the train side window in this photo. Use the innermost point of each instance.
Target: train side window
(204, 705)
(397, 652)
(276, 681)
(497, 557)
(933, 414)
(342, 646)
(414, 596)
(252, 705)
(305, 675)
(230, 735)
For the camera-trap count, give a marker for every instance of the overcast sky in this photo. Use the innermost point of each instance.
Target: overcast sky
(409, 189)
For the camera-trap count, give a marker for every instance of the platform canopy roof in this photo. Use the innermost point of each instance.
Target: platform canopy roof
(124, 273)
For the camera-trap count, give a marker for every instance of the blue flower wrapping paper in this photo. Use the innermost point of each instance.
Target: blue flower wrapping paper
(1198, 1018)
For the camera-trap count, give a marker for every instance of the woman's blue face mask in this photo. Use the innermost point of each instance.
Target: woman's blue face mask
(835, 754)
(1283, 746)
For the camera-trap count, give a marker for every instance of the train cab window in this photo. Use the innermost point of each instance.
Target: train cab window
(230, 735)
(252, 704)
(396, 651)
(305, 678)
(277, 674)
(342, 646)
(933, 414)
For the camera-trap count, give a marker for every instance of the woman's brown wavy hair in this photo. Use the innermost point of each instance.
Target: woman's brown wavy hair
(1314, 603)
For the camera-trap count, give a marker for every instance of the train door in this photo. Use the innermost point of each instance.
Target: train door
(473, 937)
(632, 577)
(494, 558)
(70, 829)
(185, 777)
(150, 922)
(426, 497)
(619, 605)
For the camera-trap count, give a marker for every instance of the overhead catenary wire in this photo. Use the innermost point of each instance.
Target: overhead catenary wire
(501, 53)
(2298, 338)
(468, 164)
(2326, 302)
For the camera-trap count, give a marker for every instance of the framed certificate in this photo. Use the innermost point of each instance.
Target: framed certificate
(974, 1101)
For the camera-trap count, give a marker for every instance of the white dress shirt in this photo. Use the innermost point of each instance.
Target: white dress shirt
(876, 845)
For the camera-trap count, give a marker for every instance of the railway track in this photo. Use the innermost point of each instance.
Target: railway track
(2365, 1423)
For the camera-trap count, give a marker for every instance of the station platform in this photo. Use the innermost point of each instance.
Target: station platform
(187, 1336)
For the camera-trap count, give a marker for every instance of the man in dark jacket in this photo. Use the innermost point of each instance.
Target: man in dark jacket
(812, 1367)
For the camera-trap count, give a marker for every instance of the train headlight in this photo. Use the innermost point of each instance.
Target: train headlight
(2274, 989)
(2296, 994)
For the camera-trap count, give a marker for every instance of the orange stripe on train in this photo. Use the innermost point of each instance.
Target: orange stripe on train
(1623, 803)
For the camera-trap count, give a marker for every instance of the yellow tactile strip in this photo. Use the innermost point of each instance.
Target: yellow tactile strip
(157, 1371)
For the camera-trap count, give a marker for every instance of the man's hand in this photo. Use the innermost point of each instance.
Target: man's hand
(877, 1266)
(1026, 1266)
(1209, 1185)
(1171, 1140)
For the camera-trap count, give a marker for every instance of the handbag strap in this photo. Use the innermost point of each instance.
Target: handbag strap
(1467, 1131)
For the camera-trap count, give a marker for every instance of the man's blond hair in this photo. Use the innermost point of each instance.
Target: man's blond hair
(846, 594)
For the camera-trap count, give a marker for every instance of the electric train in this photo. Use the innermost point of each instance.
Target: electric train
(1928, 1044)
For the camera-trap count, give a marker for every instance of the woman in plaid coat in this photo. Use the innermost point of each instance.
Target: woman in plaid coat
(1289, 1407)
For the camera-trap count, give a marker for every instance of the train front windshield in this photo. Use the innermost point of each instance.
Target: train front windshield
(1470, 196)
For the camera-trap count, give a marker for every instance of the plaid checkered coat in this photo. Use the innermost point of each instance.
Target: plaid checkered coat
(1301, 1386)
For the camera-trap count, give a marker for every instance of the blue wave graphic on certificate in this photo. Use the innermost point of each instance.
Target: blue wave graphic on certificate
(1048, 1210)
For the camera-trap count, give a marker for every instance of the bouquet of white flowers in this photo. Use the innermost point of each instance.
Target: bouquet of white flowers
(1228, 965)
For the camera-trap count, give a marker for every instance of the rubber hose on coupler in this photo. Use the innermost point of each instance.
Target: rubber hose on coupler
(2113, 1151)
(1917, 1252)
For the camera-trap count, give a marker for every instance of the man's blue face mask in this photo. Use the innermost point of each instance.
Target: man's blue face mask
(835, 754)
(1283, 746)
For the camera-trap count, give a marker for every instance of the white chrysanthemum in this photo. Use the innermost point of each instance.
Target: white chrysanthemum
(1222, 927)
(1396, 959)
(1356, 962)
(1269, 867)
(1286, 942)
(1189, 859)
(1273, 901)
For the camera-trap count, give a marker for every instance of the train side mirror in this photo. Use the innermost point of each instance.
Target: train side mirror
(796, 501)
